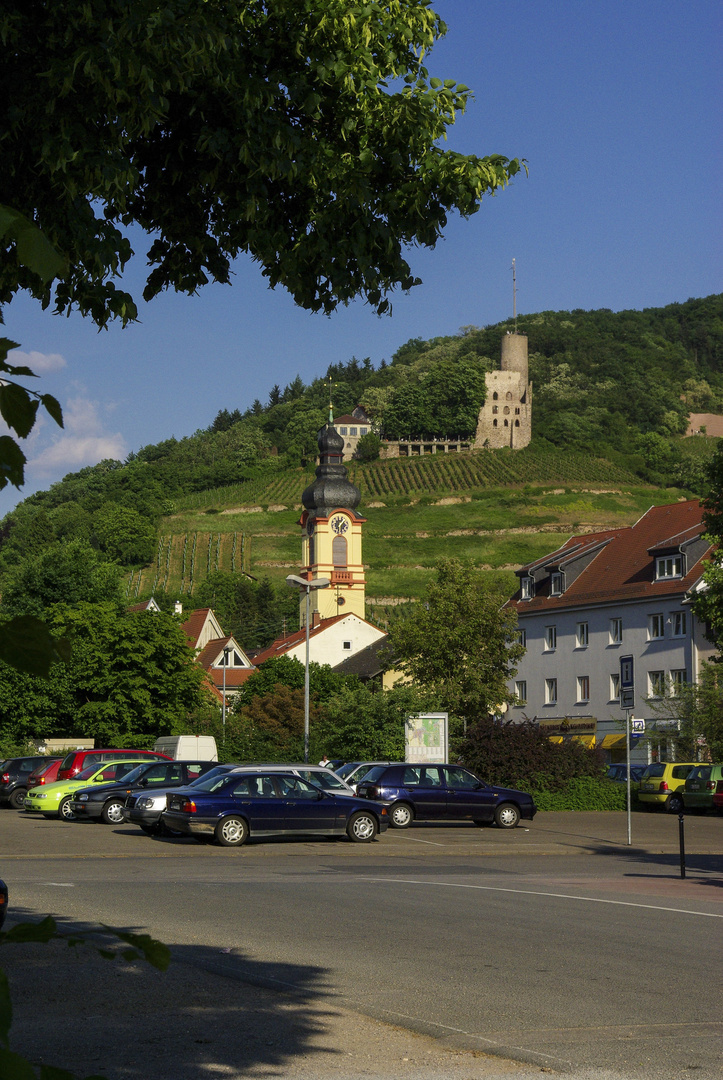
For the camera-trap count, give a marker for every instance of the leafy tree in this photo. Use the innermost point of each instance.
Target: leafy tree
(270, 727)
(366, 723)
(252, 611)
(457, 643)
(288, 672)
(131, 676)
(305, 136)
(368, 447)
(66, 573)
(699, 709)
(124, 534)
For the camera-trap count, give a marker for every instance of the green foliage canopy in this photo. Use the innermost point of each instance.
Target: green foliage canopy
(457, 643)
(302, 133)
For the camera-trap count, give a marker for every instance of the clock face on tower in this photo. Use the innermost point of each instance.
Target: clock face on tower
(339, 525)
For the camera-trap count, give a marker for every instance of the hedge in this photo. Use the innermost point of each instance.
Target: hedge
(580, 793)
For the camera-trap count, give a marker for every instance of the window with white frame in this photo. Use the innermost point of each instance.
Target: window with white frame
(581, 636)
(583, 688)
(669, 567)
(679, 623)
(550, 691)
(527, 588)
(363, 430)
(550, 638)
(616, 631)
(521, 692)
(555, 584)
(656, 683)
(678, 679)
(520, 638)
(343, 431)
(346, 646)
(656, 627)
(352, 431)
(615, 686)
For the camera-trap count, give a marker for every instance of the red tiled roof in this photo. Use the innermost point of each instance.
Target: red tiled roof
(290, 641)
(623, 567)
(209, 652)
(193, 625)
(235, 677)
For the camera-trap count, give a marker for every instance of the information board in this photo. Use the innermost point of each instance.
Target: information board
(426, 737)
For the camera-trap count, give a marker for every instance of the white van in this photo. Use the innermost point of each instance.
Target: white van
(187, 747)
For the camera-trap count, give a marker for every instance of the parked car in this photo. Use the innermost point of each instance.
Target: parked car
(320, 775)
(436, 792)
(353, 771)
(701, 786)
(3, 901)
(47, 773)
(662, 784)
(105, 802)
(144, 808)
(619, 774)
(231, 808)
(77, 760)
(54, 800)
(14, 773)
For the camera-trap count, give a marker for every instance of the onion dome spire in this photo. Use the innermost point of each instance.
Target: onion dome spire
(332, 489)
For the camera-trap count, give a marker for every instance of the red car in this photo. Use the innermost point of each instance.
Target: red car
(46, 773)
(77, 760)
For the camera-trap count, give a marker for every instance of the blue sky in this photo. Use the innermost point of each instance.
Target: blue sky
(616, 107)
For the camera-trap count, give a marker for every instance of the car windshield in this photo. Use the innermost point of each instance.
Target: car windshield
(656, 769)
(220, 770)
(348, 769)
(135, 774)
(375, 774)
(211, 783)
(324, 779)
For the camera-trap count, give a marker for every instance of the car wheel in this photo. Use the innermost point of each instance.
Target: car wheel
(17, 799)
(64, 811)
(362, 827)
(231, 832)
(112, 812)
(401, 816)
(507, 816)
(674, 805)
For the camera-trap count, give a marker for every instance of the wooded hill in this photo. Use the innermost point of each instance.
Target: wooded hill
(612, 393)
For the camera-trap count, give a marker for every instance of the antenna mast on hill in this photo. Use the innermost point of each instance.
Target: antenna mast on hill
(514, 294)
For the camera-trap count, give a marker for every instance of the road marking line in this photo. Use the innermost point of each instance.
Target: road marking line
(418, 841)
(531, 892)
(59, 884)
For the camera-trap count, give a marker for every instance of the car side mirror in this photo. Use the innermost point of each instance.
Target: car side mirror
(142, 782)
(478, 786)
(320, 795)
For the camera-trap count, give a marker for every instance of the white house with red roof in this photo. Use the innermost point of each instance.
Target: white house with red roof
(621, 592)
(331, 641)
(219, 654)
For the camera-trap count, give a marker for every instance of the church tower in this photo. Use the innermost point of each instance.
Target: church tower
(332, 535)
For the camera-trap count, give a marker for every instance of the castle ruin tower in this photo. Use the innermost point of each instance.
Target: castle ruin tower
(332, 535)
(505, 419)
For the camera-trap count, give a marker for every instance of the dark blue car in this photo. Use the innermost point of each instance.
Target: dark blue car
(435, 792)
(231, 808)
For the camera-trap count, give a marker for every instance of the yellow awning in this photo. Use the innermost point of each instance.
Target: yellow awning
(612, 740)
(586, 740)
(555, 738)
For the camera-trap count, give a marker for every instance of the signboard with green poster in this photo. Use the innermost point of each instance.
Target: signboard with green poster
(427, 737)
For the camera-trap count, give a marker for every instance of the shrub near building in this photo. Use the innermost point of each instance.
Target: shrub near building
(560, 776)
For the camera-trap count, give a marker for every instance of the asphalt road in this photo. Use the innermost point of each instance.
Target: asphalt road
(603, 964)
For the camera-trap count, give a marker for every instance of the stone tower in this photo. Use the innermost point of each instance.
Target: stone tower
(332, 535)
(505, 419)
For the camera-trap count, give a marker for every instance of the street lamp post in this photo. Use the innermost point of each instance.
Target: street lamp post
(226, 654)
(295, 582)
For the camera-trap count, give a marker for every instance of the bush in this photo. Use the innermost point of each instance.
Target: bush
(519, 755)
(579, 793)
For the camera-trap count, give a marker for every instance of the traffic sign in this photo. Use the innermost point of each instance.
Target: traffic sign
(627, 680)
(627, 699)
(637, 726)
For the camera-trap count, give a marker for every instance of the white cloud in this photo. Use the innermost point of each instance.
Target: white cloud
(39, 363)
(83, 441)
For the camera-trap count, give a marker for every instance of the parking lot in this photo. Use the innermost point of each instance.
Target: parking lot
(549, 834)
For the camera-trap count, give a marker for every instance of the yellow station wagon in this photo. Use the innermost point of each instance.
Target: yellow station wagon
(662, 784)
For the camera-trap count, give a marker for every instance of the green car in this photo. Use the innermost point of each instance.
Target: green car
(701, 785)
(54, 800)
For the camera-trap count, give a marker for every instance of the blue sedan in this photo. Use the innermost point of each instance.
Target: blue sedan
(231, 808)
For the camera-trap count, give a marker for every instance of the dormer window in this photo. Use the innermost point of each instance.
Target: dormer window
(527, 587)
(669, 567)
(555, 584)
